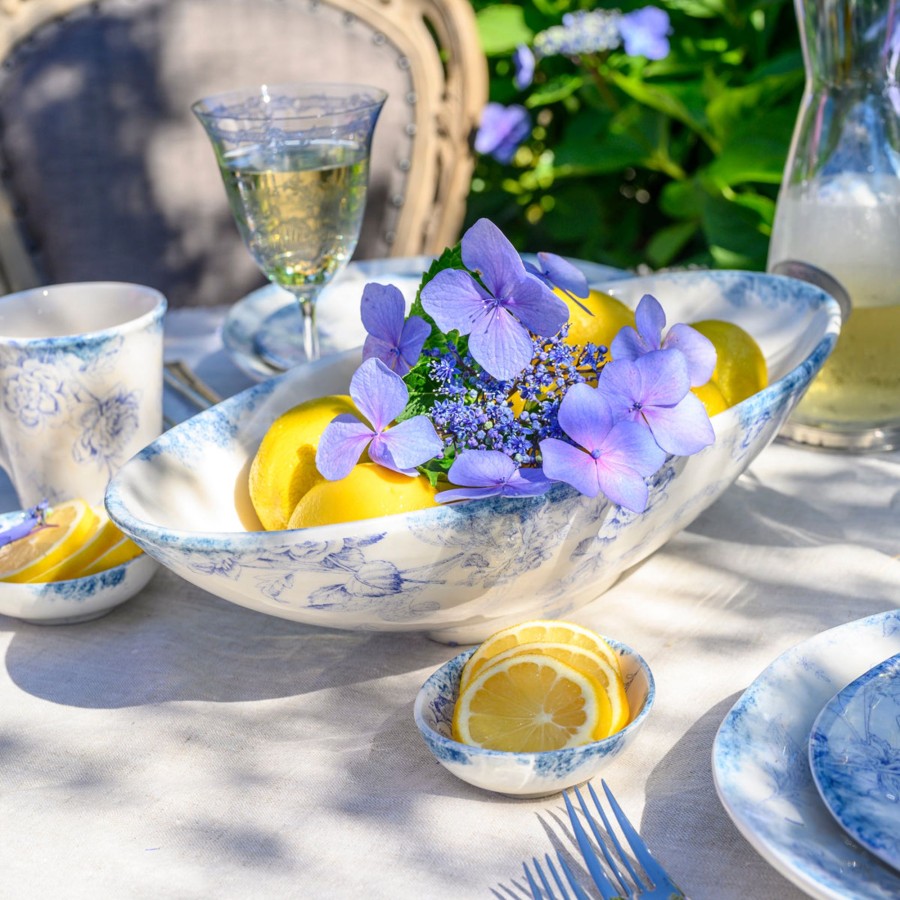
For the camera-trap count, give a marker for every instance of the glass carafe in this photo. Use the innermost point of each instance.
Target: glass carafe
(839, 209)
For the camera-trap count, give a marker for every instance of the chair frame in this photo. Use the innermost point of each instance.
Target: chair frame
(448, 103)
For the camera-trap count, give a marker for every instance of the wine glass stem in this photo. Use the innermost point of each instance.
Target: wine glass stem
(307, 301)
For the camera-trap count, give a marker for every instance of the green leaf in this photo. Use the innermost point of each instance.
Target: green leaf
(667, 243)
(502, 28)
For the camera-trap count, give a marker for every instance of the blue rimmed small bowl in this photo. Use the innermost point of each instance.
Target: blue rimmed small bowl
(526, 774)
(75, 599)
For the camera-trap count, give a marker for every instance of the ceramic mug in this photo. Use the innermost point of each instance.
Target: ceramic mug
(80, 385)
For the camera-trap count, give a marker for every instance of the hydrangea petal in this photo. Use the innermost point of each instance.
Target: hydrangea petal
(682, 429)
(664, 377)
(697, 349)
(627, 344)
(650, 319)
(538, 308)
(632, 446)
(379, 394)
(341, 445)
(382, 309)
(454, 300)
(563, 462)
(564, 274)
(478, 468)
(585, 416)
(407, 445)
(487, 250)
(501, 345)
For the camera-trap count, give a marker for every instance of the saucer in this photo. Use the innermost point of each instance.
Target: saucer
(257, 329)
(854, 756)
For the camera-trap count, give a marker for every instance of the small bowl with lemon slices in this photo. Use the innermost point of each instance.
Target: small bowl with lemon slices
(73, 567)
(541, 712)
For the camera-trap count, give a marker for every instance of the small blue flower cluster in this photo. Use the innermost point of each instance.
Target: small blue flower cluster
(580, 32)
(474, 410)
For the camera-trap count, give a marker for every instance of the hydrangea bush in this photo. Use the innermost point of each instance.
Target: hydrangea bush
(636, 134)
(479, 388)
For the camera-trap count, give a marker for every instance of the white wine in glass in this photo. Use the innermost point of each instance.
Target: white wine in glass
(295, 163)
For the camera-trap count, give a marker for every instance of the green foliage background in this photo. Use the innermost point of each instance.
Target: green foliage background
(633, 162)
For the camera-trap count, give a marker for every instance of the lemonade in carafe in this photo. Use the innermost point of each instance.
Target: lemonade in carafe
(839, 210)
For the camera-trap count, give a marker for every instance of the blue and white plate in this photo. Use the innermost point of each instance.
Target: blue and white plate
(854, 755)
(252, 327)
(761, 769)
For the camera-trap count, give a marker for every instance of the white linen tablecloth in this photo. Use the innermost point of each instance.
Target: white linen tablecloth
(185, 747)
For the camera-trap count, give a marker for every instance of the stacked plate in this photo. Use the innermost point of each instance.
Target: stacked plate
(807, 762)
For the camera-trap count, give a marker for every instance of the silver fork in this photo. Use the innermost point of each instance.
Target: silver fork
(660, 886)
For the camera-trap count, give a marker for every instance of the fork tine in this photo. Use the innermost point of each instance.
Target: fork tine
(532, 884)
(543, 877)
(657, 873)
(591, 860)
(576, 887)
(556, 878)
(612, 835)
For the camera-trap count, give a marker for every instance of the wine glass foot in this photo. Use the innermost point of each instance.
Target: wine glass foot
(279, 341)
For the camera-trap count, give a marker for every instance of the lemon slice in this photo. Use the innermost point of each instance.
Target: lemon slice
(596, 667)
(543, 630)
(528, 704)
(69, 525)
(104, 537)
(120, 552)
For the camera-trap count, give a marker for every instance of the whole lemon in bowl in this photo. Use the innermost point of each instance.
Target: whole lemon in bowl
(740, 370)
(284, 467)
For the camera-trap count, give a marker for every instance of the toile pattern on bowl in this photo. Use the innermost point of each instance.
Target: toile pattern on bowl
(461, 571)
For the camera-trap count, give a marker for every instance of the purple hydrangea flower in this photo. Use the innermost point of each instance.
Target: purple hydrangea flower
(499, 312)
(655, 389)
(650, 319)
(523, 66)
(502, 130)
(645, 32)
(392, 338)
(612, 456)
(380, 395)
(491, 473)
(585, 31)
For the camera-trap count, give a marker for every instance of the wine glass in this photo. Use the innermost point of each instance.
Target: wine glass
(295, 162)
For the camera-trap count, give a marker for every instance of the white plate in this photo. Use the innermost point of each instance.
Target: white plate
(337, 309)
(854, 755)
(761, 769)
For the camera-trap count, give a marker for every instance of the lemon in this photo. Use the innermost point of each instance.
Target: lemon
(367, 492)
(103, 538)
(284, 467)
(121, 552)
(69, 525)
(543, 630)
(740, 365)
(711, 397)
(589, 663)
(529, 703)
(609, 316)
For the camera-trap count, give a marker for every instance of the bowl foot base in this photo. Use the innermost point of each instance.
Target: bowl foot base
(69, 620)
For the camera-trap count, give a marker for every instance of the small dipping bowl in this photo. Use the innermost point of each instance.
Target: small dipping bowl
(526, 774)
(75, 599)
